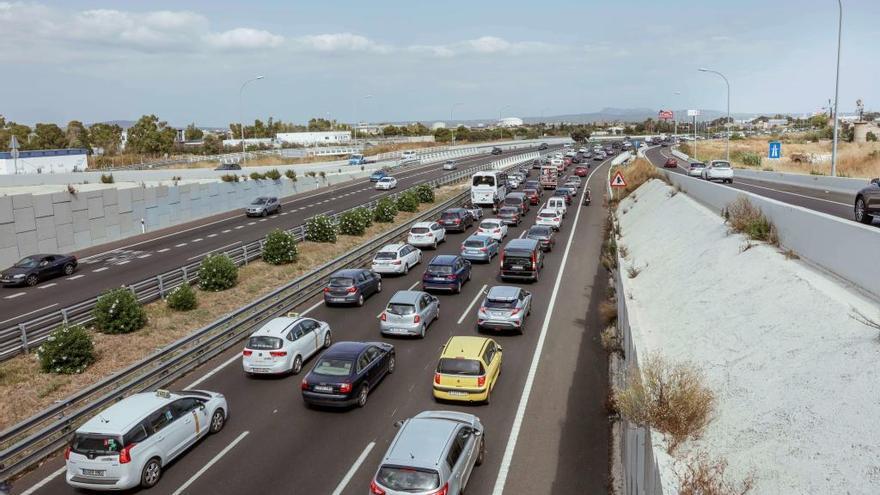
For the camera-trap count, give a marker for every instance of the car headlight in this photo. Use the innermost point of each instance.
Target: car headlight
(19, 275)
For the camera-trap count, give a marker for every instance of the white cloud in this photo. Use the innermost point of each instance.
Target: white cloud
(244, 38)
(485, 45)
(339, 42)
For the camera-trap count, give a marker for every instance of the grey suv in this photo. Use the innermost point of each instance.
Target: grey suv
(262, 206)
(434, 452)
(504, 308)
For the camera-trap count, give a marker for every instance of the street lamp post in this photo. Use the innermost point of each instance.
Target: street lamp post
(240, 120)
(451, 112)
(726, 122)
(675, 119)
(365, 97)
(836, 87)
(500, 117)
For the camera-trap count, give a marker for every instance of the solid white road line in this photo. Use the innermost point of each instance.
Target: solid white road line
(29, 313)
(504, 469)
(214, 371)
(211, 463)
(100, 269)
(45, 481)
(74, 277)
(413, 286)
(312, 307)
(748, 184)
(354, 467)
(471, 305)
(53, 284)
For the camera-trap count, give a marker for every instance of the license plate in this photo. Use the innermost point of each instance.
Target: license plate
(259, 370)
(93, 472)
(457, 393)
(337, 299)
(323, 388)
(496, 314)
(517, 268)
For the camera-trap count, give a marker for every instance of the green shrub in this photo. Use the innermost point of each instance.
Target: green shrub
(257, 176)
(408, 201)
(385, 210)
(107, 178)
(425, 193)
(751, 159)
(323, 175)
(366, 216)
(352, 223)
(321, 228)
(290, 174)
(229, 178)
(870, 137)
(182, 298)
(118, 311)
(280, 248)
(273, 174)
(67, 351)
(217, 272)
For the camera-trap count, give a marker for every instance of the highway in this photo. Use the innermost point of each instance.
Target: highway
(134, 259)
(546, 428)
(832, 203)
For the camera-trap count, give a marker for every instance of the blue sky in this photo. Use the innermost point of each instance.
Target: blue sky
(185, 60)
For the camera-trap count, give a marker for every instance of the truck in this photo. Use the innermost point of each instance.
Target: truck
(358, 159)
(549, 176)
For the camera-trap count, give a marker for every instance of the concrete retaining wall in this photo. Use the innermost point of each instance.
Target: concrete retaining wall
(843, 247)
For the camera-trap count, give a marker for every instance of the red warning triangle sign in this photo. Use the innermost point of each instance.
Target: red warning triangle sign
(618, 180)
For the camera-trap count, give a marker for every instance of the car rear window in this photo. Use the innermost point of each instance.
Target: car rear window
(512, 201)
(333, 367)
(407, 479)
(262, 342)
(517, 254)
(88, 443)
(489, 224)
(440, 269)
(539, 231)
(493, 304)
(473, 244)
(508, 210)
(386, 255)
(401, 309)
(721, 165)
(419, 230)
(341, 282)
(459, 366)
(547, 214)
(449, 215)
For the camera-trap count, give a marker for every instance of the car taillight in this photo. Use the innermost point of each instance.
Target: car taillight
(326, 289)
(437, 377)
(345, 388)
(67, 453)
(485, 250)
(429, 234)
(304, 385)
(383, 316)
(457, 220)
(502, 260)
(246, 352)
(514, 311)
(277, 353)
(395, 262)
(125, 454)
(481, 381)
(482, 309)
(450, 277)
(556, 219)
(417, 319)
(374, 488)
(351, 290)
(496, 231)
(534, 262)
(442, 491)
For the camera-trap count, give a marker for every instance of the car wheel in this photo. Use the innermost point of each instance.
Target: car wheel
(405, 268)
(458, 288)
(68, 269)
(263, 213)
(379, 287)
(362, 396)
(435, 244)
(481, 456)
(360, 301)
(488, 397)
(468, 277)
(422, 331)
(218, 421)
(860, 214)
(297, 365)
(328, 339)
(391, 364)
(31, 280)
(151, 473)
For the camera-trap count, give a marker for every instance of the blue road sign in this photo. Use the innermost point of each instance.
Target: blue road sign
(775, 150)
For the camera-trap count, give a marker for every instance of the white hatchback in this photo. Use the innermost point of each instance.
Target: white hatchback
(283, 344)
(426, 234)
(386, 183)
(718, 170)
(494, 228)
(396, 258)
(549, 217)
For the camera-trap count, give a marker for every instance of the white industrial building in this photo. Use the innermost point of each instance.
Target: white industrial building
(438, 125)
(314, 138)
(236, 143)
(510, 122)
(44, 161)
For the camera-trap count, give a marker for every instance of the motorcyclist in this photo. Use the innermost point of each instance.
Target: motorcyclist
(587, 197)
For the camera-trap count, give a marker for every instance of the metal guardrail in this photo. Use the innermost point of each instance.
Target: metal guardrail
(37, 437)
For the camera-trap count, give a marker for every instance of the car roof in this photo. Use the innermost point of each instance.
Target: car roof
(392, 248)
(464, 346)
(444, 259)
(524, 243)
(387, 177)
(121, 416)
(515, 195)
(455, 210)
(276, 326)
(406, 297)
(421, 442)
(503, 292)
(346, 349)
(478, 237)
(422, 224)
(496, 220)
(348, 272)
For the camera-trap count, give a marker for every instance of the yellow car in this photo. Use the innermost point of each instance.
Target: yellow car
(468, 369)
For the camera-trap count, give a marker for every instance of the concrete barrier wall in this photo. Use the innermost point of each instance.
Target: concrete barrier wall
(842, 247)
(64, 222)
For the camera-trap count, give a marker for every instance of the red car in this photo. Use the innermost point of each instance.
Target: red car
(566, 161)
(533, 195)
(670, 163)
(580, 171)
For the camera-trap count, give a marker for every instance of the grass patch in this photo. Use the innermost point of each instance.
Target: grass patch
(608, 312)
(611, 341)
(702, 475)
(746, 218)
(633, 271)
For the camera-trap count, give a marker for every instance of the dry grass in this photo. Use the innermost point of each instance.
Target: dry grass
(854, 159)
(611, 340)
(636, 173)
(746, 218)
(701, 475)
(670, 398)
(608, 312)
(24, 390)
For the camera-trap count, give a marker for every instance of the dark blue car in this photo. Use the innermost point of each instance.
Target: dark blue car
(346, 373)
(352, 286)
(377, 175)
(446, 272)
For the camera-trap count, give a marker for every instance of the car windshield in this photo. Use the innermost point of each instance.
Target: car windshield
(341, 282)
(264, 343)
(333, 367)
(419, 230)
(440, 269)
(474, 243)
(28, 262)
(259, 201)
(401, 309)
(385, 255)
(494, 304)
(407, 479)
(460, 366)
(89, 443)
(484, 180)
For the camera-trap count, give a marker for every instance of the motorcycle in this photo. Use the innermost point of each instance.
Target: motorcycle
(587, 197)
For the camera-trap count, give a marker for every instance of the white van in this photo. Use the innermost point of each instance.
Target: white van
(129, 443)
(558, 204)
(408, 155)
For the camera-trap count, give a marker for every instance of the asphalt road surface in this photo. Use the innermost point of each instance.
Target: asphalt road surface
(546, 431)
(134, 259)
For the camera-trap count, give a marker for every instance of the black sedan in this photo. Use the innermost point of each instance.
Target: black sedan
(867, 206)
(346, 373)
(32, 269)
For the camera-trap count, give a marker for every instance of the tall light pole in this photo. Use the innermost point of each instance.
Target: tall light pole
(836, 87)
(365, 97)
(674, 119)
(500, 116)
(726, 122)
(451, 112)
(240, 120)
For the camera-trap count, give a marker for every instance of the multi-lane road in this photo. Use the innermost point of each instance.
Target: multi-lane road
(547, 431)
(134, 259)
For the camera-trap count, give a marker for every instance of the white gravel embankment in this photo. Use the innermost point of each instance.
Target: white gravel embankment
(797, 379)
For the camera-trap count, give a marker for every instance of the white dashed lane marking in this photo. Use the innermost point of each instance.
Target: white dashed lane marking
(197, 240)
(226, 231)
(164, 250)
(212, 235)
(53, 284)
(99, 269)
(180, 245)
(144, 256)
(13, 296)
(74, 277)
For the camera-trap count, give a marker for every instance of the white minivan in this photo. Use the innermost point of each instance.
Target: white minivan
(556, 203)
(129, 443)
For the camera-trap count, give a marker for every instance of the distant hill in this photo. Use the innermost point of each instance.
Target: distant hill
(605, 115)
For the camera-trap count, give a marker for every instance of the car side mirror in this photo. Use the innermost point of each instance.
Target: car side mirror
(876, 181)
(202, 406)
(476, 433)
(398, 423)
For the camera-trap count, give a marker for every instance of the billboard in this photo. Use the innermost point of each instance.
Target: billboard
(664, 115)
(693, 113)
